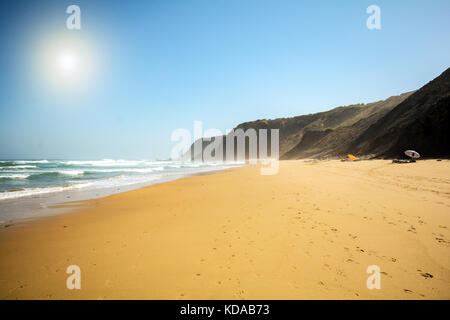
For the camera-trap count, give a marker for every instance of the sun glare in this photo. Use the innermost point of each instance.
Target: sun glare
(67, 64)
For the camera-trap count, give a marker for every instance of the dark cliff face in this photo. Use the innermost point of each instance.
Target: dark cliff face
(416, 120)
(421, 122)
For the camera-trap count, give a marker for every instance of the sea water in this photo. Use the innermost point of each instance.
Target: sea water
(25, 178)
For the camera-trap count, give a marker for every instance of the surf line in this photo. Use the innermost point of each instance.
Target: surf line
(191, 310)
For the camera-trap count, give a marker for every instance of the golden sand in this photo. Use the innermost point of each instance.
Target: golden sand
(308, 232)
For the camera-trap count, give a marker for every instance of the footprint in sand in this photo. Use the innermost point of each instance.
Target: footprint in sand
(426, 275)
(240, 294)
(441, 240)
(412, 229)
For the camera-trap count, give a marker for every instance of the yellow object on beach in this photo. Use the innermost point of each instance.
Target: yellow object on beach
(352, 157)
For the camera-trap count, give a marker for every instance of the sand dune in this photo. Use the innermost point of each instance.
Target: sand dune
(308, 232)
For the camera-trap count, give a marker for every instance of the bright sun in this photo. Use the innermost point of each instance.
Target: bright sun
(68, 63)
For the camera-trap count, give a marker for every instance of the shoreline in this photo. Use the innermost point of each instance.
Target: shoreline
(308, 232)
(28, 208)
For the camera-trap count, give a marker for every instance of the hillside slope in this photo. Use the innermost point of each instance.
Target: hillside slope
(421, 122)
(413, 120)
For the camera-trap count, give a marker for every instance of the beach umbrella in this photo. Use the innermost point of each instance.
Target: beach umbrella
(352, 157)
(412, 154)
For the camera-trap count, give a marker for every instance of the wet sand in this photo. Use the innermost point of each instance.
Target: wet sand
(308, 232)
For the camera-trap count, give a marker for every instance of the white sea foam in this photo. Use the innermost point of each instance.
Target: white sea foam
(139, 170)
(29, 192)
(117, 181)
(17, 167)
(71, 172)
(14, 176)
(28, 161)
(107, 163)
(95, 184)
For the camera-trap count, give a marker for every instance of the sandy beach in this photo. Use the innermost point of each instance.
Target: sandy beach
(308, 232)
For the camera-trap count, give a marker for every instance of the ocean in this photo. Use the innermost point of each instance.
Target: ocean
(28, 178)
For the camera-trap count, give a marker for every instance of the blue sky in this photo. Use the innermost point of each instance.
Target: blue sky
(160, 65)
